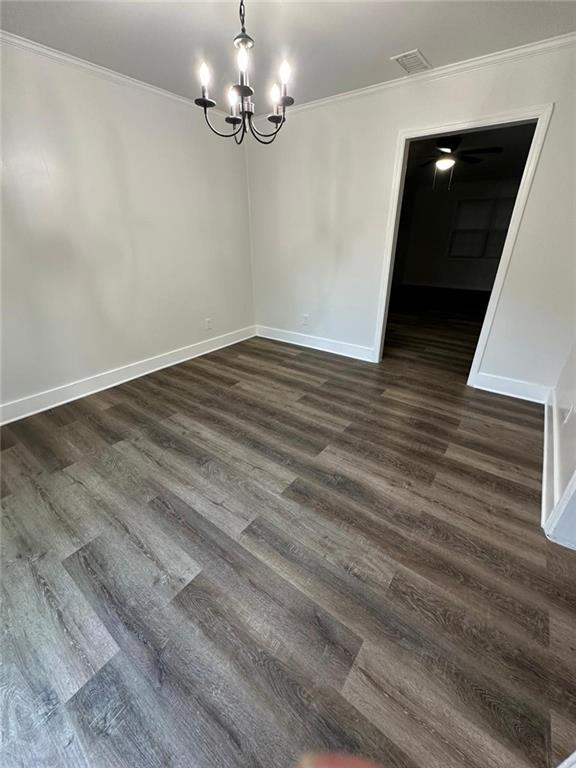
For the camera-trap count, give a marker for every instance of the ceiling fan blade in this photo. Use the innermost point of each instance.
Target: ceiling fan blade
(449, 142)
(428, 162)
(469, 158)
(485, 151)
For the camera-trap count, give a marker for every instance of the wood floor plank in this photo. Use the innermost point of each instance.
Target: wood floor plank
(263, 602)
(130, 516)
(425, 690)
(271, 549)
(53, 643)
(437, 564)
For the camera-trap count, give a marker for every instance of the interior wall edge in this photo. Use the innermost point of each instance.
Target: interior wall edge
(51, 398)
(543, 116)
(558, 527)
(559, 472)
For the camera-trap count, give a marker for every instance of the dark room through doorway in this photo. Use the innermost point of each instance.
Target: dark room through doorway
(457, 201)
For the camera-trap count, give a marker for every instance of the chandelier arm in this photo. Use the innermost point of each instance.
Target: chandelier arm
(257, 136)
(223, 135)
(265, 135)
(243, 133)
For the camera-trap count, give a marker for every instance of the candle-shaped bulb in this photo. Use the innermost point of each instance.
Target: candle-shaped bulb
(233, 97)
(204, 75)
(284, 72)
(275, 94)
(243, 60)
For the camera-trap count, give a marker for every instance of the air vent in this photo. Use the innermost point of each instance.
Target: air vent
(411, 61)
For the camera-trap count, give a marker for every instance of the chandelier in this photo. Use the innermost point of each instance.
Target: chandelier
(241, 116)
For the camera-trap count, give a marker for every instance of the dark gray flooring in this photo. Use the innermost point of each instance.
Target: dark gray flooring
(268, 550)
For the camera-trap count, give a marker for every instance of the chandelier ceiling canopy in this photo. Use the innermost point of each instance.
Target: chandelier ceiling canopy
(241, 116)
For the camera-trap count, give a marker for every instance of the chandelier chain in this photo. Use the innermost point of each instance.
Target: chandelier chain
(242, 13)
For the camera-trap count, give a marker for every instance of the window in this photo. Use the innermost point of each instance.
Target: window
(480, 228)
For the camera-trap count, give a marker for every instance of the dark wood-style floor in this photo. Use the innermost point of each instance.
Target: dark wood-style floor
(269, 550)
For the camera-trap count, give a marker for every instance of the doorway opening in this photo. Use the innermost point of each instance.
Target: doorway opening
(457, 201)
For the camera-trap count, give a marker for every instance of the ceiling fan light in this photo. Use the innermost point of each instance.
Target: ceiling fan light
(445, 163)
(447, 150)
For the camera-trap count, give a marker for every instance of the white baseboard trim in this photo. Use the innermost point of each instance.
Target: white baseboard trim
(42, 401)
(317, 342)
(501, 385)
(570, 761)
(560, 523)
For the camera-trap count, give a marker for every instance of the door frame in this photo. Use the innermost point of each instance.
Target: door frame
(542, 114)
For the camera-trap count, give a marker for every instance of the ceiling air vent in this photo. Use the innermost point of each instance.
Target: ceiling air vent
(411, 61)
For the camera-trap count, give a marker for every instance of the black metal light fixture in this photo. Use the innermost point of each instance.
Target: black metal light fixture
(241, 115)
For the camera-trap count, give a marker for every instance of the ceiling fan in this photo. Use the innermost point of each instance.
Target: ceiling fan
(448, 151)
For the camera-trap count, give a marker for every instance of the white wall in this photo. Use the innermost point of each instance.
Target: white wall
(124, 227)
(125, 223)
(559, 492)
(321, 195)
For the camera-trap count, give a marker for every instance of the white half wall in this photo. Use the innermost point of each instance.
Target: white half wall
(124, 229)
(559, 476)
(321, 197)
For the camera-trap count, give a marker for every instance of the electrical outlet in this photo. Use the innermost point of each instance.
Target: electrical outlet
(305, 319)
(208, 324)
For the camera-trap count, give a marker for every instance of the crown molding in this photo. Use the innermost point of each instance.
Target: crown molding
(7, 38)
(518, 53)
(468, 65)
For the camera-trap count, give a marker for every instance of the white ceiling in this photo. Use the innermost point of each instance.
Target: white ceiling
(333, 47)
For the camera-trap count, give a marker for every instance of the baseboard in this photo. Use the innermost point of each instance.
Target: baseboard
(564, 513)
(559, 523)
(501, 385)
(27, 406)
(318, 342)
(558, 497)
(570, 761)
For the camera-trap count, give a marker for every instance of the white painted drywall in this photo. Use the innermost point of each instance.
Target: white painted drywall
(124, 225)
(559, 497)
(320, 199)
